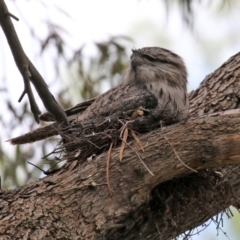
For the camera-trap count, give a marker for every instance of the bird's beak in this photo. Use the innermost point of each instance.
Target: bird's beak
(136, 62)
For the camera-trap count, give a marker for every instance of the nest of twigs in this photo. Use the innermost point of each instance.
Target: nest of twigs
(84, 139)
(93, 136)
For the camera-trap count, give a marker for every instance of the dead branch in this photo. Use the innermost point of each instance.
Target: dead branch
(28, 71)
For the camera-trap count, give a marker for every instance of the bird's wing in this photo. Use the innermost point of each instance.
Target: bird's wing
(77, 109)
(120, 100)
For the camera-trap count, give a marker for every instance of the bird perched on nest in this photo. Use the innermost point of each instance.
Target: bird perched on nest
(156, 82)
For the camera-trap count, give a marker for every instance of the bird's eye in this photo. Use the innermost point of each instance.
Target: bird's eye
(148, 57)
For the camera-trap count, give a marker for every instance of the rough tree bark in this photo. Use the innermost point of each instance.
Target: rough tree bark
(75, 203)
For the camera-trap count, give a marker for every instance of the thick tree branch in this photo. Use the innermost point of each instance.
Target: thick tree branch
(28, 71)
(203, 143)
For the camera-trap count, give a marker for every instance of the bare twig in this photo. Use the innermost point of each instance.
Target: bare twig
(125, 136)
(28, 71)
(107, 168)
(137, 140)
(49, 171)
(175, 150)
(11, 15)
(77, 109)
(139, 157)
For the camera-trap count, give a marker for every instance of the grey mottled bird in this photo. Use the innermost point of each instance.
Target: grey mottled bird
(156, 81)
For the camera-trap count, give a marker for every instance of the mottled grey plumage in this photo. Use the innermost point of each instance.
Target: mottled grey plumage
(156, 81)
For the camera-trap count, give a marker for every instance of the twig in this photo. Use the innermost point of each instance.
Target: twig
(137, 140)
(125, 136)
(77, 188)
(77, 109)
(175, 150)
(159, 233)
(11, 15)
(48, 172)
(139, 158)
(107, 169)
(94, 144)
(28, 71)
(124, 126)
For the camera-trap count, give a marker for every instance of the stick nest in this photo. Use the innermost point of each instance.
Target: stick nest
(83, 139)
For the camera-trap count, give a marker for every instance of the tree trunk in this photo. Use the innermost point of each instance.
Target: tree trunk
(195, 175)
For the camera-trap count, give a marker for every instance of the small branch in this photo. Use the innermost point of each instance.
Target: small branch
(28, 71)
(77, 109)
(139, 157)
(137, 140)
(175, 150)
(11, 15)
(34, 107)
(125, 136)
(107, 168)
(49, 171)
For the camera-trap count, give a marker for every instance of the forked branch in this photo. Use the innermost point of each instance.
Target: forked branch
(28, 71)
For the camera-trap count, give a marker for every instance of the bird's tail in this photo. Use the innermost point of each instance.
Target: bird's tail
(36, 135)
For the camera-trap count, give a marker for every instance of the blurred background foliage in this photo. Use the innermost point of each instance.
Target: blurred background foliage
(76, 75)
